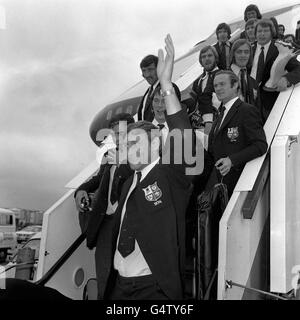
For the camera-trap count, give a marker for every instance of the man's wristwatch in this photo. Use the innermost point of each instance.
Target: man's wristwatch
(167, 92)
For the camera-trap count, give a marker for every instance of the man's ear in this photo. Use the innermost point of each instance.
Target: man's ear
(236, 85)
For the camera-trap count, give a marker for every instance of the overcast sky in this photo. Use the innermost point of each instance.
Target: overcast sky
(62, 61)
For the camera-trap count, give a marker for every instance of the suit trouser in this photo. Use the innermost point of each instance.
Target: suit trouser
(137, 288)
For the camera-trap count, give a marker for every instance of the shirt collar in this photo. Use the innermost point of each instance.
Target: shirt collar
(266, 46)
(155, 122)
(227, 43)
(236, 69)
(155, 84)
(230, 103)
(148, 168)
(205, 74)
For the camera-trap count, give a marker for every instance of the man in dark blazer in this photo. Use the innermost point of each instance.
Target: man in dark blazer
(223, 45)
(241, 63)
(148, 238)
(265, 53)
(106, 186)
(237, 135)
(203, 102)
(148, 67)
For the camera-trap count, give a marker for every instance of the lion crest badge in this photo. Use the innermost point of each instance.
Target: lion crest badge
(153, 193)
(233, 134)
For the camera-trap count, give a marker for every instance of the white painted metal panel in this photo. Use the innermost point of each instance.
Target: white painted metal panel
(248, 177)
(239, 240)
(285, 212)
(60, 230)
(278, 217)
(290, 125)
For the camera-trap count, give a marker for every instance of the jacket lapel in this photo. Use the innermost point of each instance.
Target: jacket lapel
(124, 193)
(229, 115)
(272, 52)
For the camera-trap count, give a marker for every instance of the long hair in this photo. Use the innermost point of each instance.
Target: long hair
(252, 7)
(214, 51)
(265, 23)
(237, 44)
(225, 26)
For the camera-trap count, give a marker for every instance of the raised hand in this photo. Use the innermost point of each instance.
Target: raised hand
(166, 63)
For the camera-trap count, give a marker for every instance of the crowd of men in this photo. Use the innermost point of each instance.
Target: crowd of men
(138, 217)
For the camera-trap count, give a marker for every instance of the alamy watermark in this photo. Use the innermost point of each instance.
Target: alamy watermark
(140, 146)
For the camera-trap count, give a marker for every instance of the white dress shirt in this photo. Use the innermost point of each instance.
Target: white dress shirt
(134, 265)
(256, 57)
(228, 106)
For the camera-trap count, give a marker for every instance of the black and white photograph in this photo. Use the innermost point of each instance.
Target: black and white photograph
(149, 152)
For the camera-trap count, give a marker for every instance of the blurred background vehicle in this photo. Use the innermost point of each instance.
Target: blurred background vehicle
(8, 238)
(27, 232)
(34, 244)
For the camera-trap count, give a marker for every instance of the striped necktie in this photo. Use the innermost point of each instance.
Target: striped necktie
(219, 119)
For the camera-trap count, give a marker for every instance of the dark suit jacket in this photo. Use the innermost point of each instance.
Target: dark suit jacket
(204, 98)
(160, 228)
(241, 137)
(200, 101)
(97, 225)
(91, 221)
(222, 62)
(267, 99)
(148, 112)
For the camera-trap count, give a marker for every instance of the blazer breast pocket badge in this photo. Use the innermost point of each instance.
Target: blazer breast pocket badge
(233, 134)
(153, 193)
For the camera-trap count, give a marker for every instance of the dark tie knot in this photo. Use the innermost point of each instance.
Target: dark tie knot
(243, 72)
(262, 48)
(160, 126)
(222, 110)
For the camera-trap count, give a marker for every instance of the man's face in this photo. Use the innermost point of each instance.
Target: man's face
(251, 14)
(263, 35)
(159, 108)
(281, 30)
(242, 55)
(139, 149)
(224, 91)
(150, 74)
(120, 131)
(250, 31)
(208, 60)
(222, 35)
